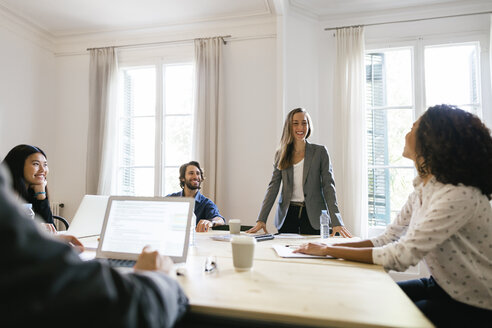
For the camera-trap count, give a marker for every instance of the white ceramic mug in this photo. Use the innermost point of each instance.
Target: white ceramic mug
(243, 251)
(235, 226)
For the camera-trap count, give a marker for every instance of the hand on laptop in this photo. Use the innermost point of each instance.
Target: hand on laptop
(153, 261)
(72, 241)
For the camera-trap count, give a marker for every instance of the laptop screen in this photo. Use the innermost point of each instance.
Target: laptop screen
(131, 223)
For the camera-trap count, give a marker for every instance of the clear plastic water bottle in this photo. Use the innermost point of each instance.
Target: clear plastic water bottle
(324, 224)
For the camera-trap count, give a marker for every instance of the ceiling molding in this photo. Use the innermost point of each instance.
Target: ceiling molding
(247, 27)
(364, 16)
(26, 29)
(303, 10)
(394, 18)
(146, 28)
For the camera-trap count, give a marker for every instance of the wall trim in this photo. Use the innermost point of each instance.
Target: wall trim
(25, 29)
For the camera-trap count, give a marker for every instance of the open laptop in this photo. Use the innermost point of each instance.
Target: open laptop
(130, 223)
(88, 219)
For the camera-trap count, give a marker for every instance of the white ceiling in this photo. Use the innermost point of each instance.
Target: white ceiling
(65, 17)
(72, 17)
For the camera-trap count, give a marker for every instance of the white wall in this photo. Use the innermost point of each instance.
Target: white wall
(68, 159)
(249, 124)
(300, 72)
(27, 105)
(43, 102)
(300, 62)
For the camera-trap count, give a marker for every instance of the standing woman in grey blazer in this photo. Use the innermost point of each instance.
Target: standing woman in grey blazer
(307, 182)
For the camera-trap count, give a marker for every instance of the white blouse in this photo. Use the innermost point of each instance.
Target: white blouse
(450, 228)
(298, 189)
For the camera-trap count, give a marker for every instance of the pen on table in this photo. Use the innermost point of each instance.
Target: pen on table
(210, 264)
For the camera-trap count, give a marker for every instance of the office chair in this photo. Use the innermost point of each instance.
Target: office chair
(62, 220)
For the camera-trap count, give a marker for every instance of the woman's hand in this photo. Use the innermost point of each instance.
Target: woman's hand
(259, 225)
(72, 241)
(363, 254)
(153, 261)
(312, 249)
(40, 188)
(342, 231)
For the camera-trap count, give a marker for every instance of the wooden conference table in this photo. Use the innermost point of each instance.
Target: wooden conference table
(292, 291)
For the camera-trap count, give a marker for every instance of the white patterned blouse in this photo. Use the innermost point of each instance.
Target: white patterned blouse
(450, 227)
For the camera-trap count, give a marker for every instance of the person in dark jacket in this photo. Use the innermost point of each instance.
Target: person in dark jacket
(43, 281)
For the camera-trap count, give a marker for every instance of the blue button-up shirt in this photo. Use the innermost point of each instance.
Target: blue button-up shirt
(205, 209)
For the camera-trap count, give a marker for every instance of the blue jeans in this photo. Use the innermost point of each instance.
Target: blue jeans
(440, 308)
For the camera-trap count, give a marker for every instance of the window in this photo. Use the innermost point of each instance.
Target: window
(397, 93)
(390, 112)
(155, 127)
(452, 76)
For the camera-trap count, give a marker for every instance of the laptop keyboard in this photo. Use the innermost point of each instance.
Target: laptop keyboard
(121, 263)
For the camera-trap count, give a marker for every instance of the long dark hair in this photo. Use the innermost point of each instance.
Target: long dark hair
(15, 161)
(456, 147)
(283, 157)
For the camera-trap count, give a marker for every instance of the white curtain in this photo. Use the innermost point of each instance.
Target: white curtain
(208, 54)
(349, 101)
(101, 144)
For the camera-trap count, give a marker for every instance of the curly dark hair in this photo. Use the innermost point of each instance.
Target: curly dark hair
(456, 147)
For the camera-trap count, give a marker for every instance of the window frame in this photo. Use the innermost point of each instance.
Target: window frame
(418, 74)
(157, 58)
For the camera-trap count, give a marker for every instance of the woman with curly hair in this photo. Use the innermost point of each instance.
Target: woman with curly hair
(446, 221)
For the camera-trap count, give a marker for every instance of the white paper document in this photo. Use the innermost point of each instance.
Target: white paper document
(288, 251)
(294, 236)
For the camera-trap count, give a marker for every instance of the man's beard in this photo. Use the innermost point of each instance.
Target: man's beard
(191, 186)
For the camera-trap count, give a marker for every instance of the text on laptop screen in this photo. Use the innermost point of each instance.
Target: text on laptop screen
(133, 224)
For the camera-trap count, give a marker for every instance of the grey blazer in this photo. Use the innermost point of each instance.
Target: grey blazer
(318, 187)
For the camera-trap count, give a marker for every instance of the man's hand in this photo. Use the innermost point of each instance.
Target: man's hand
(153, 261)
(203, 225)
